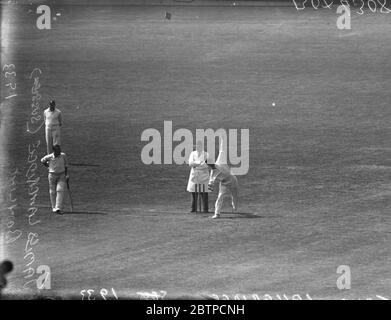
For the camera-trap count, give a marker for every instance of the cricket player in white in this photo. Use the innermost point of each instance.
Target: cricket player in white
(53, 124)
(58, 173)
(199, 175)
(228, 187)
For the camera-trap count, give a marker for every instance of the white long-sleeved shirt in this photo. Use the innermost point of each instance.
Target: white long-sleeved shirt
(56, 164)
(52, 118)
(222, 173)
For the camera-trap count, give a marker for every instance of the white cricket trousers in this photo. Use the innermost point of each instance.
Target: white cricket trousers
(229, 191)
(57, 187)
(53, 137)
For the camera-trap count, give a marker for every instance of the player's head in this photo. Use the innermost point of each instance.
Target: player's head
(52, 104)
(56, 150)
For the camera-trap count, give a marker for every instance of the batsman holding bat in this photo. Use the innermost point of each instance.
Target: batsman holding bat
(228, 182)
(58, 176)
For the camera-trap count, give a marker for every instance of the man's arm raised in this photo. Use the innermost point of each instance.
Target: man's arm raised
(222, 158)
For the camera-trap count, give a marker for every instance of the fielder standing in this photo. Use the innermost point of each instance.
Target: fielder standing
(53, 124)
(58, 174)
(228, 187)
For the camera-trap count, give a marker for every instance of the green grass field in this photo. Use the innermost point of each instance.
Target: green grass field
(318, 192)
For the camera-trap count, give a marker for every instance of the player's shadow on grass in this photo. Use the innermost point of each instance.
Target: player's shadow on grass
(239, 215)
(65, 213)
(84, 165)
(244, 215)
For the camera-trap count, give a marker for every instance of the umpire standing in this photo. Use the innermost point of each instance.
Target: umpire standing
(199, 175)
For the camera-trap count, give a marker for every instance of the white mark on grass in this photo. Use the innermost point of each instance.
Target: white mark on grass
(89, 294)
(12, 234)
(255, 296)
(10, 76)
(39, 276)
(266, 296)
(153, 295)
(36, 119)
(299, 6)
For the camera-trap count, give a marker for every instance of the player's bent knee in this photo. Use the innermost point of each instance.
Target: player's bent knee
(61, 187)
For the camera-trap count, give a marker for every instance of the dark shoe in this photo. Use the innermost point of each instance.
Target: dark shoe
(58, 211)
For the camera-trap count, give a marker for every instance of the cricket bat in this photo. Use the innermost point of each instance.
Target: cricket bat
(70, 195)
